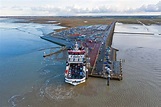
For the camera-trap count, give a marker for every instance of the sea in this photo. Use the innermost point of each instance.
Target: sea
(27, 79)
(22, 65)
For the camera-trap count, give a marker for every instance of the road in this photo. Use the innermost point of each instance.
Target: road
(100, 60)
(101, 56)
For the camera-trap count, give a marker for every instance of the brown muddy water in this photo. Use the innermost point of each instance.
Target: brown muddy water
(140, 87)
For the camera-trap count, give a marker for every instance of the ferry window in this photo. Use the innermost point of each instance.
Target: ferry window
(76, 59)
(80, 59)
(71, 59)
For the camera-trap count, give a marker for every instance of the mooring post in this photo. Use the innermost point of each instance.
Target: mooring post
(121, 68)
(108, 76)
(108, 80)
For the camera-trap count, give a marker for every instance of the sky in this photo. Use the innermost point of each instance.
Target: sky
(79, 7)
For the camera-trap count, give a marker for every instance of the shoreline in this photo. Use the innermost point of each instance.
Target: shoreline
(70, 22)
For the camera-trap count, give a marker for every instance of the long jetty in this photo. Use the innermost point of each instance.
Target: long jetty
(143, 33)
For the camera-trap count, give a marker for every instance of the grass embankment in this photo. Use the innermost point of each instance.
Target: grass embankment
(74, 22)
(70, 22)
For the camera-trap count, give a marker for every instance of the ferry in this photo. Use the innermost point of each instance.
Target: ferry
(76, 71)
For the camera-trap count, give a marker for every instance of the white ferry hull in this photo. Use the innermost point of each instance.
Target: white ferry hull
(75, 81)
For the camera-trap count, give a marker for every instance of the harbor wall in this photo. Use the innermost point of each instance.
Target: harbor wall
(57, 41)
(110, 35)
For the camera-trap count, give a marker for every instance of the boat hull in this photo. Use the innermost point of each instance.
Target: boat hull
(75, 81)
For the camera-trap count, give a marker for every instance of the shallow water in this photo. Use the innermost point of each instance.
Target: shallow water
(29, 80)
(142, 66)
(21, 58)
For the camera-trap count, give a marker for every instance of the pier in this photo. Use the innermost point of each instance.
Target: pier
(52, 53)
(97, 39)
(141, 33)
(104, 58)
(57, 40)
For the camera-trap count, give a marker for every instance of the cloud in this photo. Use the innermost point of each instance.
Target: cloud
(150, 8)
(74, 10)
(102, 9)
(69, 10)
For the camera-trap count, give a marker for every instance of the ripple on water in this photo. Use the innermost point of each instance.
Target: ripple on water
(59, 92)
(16, 99)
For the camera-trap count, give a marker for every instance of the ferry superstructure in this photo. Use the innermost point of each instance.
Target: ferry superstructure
(76, 71)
